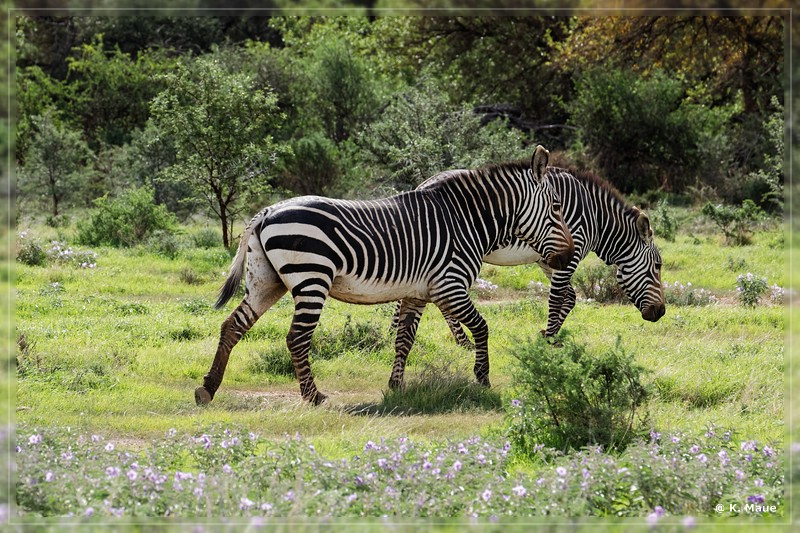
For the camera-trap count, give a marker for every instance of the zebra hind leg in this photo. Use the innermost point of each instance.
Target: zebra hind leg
(233, 328)
(459, 334)
(408, 315)
(309, 298)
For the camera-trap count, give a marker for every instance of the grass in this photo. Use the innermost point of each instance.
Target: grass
(118, 350)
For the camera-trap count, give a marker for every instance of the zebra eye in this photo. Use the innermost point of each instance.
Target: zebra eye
(658, 266)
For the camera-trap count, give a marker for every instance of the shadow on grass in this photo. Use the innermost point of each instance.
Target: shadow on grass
(437, 390)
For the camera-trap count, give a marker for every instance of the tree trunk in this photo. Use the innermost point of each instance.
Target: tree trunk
(223, 218)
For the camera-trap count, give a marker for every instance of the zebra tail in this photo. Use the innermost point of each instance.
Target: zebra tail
(234, 279)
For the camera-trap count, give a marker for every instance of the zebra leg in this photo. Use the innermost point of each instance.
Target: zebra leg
(233, 328)
(458, 333)
(459, 307)
(309, 298)
(396, 315)
(560, 303)
(408, 315)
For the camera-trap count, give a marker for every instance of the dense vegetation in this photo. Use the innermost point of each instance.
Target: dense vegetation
(218, 115)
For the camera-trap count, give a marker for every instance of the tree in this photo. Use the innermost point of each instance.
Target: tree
(221, 126)
(53, 162)
(420, 134)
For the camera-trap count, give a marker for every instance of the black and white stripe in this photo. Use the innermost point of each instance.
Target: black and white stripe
(421, 246)
(600, 221)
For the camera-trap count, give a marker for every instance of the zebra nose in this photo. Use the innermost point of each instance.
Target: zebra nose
(652, 313)
(560, 260)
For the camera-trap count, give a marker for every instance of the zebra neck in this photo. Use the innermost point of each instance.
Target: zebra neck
(614, 228)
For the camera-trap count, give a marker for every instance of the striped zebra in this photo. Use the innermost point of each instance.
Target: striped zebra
(421, 246)
(600, 221)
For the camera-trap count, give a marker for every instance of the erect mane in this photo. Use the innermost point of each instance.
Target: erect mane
(488, 170)
(593, 181)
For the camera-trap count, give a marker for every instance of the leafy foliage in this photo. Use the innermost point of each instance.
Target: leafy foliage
(220, 125)
(735, 223)
(55, 159)
(125, 221)
(598, 282)
(643, 134)
(750, 289)
(569, 398)
(421, 134)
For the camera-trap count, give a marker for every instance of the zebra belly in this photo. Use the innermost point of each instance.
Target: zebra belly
(358, 291)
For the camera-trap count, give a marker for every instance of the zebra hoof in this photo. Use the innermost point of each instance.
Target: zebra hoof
(317, 399)
(395, 384)
(202, 396)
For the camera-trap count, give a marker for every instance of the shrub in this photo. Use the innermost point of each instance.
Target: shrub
(206, 238)
(680, 294)
(165, 243)
(598, 282)
(750, 289)
(736, 223)
(31, 253)
(127, 220)
(568, 398)
(664, 223)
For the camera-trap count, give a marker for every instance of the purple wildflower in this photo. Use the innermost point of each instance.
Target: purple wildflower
(486, 495)
(688, 522)
(457, 465)
(112, 471)
(49, 476)
(519, 491)
(702, 458)
(694, 449)
(35, 439)
(516, 403)
(758, 482)
(109, 447)
(561, 471)
(89, 511)
(755, 498)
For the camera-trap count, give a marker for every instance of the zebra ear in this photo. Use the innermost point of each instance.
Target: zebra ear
(643, 227)
(539, 163)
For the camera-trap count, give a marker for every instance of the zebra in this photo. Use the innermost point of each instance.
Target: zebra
(600, 220)
(419, 246)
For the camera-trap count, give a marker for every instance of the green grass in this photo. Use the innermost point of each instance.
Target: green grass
(120, 348)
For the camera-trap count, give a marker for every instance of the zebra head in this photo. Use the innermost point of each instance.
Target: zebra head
(639, 272)
(541, 224)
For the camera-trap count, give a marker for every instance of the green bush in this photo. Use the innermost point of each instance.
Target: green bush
(367, 337)
(750, 289)
(664, 223)
(568, 398)
(736, 223)
(31, 253)
(420, 133)
(598, 282)
(125, 221)
(644, 133)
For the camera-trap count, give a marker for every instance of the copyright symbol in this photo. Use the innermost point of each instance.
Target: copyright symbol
(719, 508)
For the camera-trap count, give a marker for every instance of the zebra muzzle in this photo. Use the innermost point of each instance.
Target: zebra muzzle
(560, 260)
(652, 313)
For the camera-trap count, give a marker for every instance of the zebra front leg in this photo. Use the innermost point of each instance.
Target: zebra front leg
(462, 309)
(408, 315)
(560, 303)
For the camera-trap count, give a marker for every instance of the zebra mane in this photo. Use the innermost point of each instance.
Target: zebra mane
(482, 172)
(593, 181)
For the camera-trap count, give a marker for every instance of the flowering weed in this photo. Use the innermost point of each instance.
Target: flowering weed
(237, 473)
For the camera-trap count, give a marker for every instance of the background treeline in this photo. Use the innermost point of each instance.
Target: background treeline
(221, 114)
